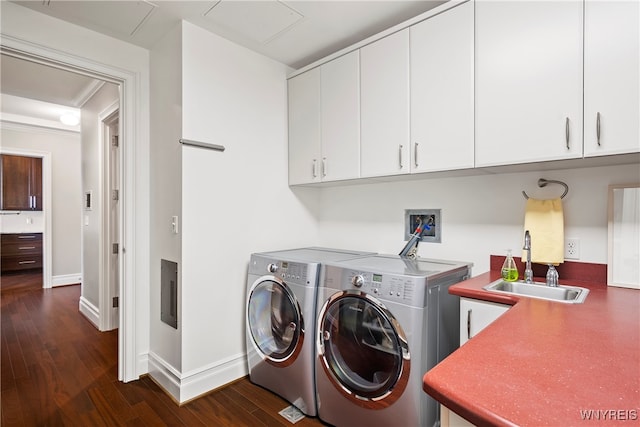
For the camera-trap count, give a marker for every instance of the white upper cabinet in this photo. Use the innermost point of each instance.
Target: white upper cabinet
(340, 88)
(324, 122)
(304, 128)
(384, 79)
(528, 81)
(441, 50)
(611, 77)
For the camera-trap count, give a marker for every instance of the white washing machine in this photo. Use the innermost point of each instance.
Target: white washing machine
(383, 321)
(280, 317)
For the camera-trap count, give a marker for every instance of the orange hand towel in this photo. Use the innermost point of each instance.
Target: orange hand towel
(545, 221)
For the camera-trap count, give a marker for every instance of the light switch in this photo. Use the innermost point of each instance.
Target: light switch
(174, 224)
(86, 220)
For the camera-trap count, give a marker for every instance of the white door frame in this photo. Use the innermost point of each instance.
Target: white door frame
(107, 320)
(131, 362)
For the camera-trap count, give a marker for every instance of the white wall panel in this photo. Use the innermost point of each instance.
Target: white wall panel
(166, 188)
(481, 215)
(234, 202)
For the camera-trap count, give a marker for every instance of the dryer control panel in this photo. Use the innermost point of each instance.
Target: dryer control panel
(288, 271)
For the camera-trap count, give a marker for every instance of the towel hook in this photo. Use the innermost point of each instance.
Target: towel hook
(543, 183)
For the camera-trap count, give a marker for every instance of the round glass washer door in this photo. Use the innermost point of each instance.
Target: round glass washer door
(275, 321)
(363, 349)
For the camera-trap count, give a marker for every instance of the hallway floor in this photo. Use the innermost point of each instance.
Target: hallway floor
(57, 369)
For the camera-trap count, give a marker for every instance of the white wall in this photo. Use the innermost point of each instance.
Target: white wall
(166, 188)
(481, 215)
(234, 202)
(92, 180)
(66, 201)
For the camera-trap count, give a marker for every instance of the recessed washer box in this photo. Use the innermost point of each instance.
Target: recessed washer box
(432, 217)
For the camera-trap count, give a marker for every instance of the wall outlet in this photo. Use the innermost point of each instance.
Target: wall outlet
(572, 248)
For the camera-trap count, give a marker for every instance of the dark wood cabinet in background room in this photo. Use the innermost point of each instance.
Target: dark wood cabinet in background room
(21, 183)
(20, 251)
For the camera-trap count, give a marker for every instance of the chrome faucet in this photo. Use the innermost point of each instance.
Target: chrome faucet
(528, 272)
(552, 276)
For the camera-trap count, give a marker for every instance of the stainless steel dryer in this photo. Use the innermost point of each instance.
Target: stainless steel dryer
(280, 317)
(383, 321)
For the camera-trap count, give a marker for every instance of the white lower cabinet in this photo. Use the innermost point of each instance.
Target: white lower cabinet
(448, 418)
(475, 315)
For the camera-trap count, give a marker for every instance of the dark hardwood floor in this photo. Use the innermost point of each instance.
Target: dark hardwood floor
(58, 370)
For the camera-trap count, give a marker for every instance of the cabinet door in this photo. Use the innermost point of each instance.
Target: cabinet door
(340, 106)
(16, 175)
(476, 315)
(528, 81)
(612, 76)
(35, 183)
(304, 128)
(384, 78)
(442, 91)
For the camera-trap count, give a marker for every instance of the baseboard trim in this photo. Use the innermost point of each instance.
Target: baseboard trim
(142, 364)
(165, 375)
(183, 388)
(66, 279)
(89, 311)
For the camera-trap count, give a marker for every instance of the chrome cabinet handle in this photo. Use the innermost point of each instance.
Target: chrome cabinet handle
(400, 155)
(566, 131)
(598, 128)
(324, 166)
(26, 237)
(415, 154)
(26, 262)
(314, 169)
(24, 248)
(469, 324)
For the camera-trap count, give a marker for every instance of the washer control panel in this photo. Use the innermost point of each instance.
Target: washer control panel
(390, 287)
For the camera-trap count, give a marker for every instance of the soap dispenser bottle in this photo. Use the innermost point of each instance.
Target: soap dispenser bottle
(509, 269)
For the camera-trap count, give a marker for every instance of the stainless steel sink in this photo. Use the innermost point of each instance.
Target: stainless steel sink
(562, 293)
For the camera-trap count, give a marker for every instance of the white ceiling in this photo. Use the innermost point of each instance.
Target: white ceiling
(295, 32)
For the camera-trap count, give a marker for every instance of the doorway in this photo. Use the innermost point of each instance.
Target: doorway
(105, 311)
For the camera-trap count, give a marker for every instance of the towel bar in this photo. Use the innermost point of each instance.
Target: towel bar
(210, 146)
(543, 183)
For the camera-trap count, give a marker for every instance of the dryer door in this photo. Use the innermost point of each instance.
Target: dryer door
(274, 320)
(363, 349)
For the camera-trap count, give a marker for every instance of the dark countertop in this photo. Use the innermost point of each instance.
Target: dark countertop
(542, 363)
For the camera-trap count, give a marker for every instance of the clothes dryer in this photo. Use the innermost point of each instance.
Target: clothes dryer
(280, 318)
(383, 321)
